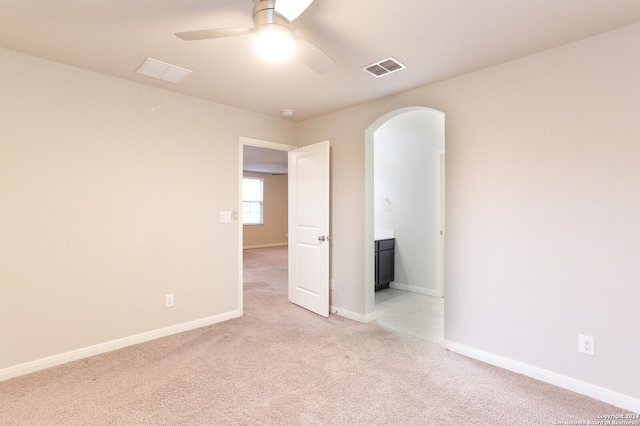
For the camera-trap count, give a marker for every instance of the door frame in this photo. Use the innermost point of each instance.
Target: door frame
(440, 167)
(262, 144)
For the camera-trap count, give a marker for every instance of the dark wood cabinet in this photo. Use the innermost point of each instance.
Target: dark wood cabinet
(384, 262)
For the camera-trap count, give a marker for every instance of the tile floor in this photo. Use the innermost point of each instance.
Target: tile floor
(411, 313)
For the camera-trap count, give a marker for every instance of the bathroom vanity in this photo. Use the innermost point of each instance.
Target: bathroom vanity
(385, 243)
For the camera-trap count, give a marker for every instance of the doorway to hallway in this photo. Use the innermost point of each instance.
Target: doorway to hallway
(306, 208)
(267, 161)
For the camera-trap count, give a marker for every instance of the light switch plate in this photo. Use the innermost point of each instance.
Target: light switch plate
(225, 217)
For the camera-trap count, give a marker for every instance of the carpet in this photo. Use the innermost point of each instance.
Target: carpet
(282, 365)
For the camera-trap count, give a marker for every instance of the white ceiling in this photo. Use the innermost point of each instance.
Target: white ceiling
(436, 39)
(264, 160)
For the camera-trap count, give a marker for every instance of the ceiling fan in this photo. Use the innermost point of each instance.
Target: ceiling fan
(272, 26)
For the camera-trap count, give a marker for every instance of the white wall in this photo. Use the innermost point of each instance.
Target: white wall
(110, 197)
(406, 173)
(542, 207)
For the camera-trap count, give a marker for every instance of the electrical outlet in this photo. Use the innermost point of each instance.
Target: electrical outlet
(586, 345)
(168, 301)
(333, 284)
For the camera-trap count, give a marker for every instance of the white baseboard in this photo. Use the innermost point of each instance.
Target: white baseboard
(415, 289)
(601, 394)
(351, 315)
(52, 361)
(265, 246)
(371, 317)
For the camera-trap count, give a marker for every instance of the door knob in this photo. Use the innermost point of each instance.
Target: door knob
(321, 238)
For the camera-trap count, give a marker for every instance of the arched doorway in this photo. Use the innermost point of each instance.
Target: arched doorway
(405, 199)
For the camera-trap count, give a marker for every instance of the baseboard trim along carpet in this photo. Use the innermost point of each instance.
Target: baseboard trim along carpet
(52, 361)
(352, 315)
(265, 246)
(596, 392)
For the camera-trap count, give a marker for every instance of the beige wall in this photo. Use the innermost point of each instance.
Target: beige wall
(111, 193)
(542, 206)
(274, 229)
(110, 197)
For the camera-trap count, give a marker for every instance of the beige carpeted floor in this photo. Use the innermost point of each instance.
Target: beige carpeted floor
(282, 365)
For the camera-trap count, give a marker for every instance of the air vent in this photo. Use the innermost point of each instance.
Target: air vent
(163, 71)
(384, 67)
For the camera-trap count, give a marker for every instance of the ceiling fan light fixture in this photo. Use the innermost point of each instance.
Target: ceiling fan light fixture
(274, 43)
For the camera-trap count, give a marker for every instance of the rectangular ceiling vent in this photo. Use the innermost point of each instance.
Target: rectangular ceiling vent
(163, 71)
(384, 67)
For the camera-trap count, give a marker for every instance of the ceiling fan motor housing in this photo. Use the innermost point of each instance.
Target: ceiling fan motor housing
(265, 17)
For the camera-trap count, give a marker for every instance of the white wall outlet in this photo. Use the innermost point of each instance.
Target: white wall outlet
(333, 284)
(586, 345)
(168, 301)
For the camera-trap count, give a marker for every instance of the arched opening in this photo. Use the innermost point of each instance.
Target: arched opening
(404, 194)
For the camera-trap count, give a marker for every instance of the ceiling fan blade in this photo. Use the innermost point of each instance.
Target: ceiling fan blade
(291, 9)
(313, 57)
(213, 33)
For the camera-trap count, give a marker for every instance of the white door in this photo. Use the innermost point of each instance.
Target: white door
(309, 227)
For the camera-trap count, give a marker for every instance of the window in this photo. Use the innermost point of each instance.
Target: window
(252, 201)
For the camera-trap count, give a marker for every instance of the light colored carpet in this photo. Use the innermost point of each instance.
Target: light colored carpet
(282, 365)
